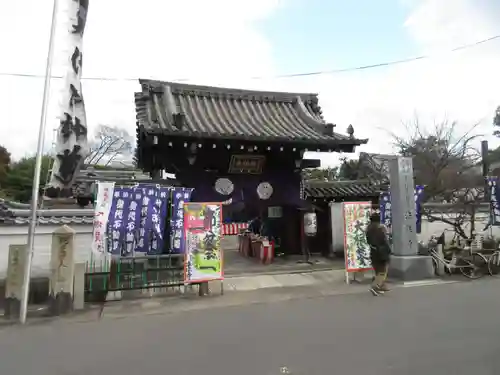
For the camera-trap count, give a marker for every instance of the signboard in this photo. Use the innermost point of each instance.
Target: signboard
(251, 164)
(202, 232)
(356, 249)
(103, 204)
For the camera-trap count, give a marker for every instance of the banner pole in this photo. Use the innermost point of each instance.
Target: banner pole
(38, 168)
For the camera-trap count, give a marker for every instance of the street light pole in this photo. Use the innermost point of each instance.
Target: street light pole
(38, 167)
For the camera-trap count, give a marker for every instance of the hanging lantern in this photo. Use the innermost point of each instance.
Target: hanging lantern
(310, 224)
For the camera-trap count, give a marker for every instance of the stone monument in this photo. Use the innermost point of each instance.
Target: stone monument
(14, 281)
(62, 266)
(406, 264)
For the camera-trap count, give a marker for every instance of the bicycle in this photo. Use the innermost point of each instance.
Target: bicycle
(474, 269)
(494, 264)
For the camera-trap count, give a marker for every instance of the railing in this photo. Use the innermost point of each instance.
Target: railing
(133, 273)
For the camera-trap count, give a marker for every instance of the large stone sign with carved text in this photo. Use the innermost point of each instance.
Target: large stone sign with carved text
(406, 264)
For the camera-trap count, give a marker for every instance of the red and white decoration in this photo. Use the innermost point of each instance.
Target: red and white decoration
(266, 253)
(232, 229)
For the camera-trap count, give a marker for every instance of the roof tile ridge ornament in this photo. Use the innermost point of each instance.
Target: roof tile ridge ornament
(307, 117)
(8, 204)
(174, 115)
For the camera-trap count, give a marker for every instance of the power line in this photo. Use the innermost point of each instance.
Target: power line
(293, 75)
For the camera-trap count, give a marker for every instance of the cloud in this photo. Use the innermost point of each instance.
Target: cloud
(207, 41)
(217, 42)
(461, 86)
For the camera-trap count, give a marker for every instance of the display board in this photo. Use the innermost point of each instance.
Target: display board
(202, 235)
(356, 249)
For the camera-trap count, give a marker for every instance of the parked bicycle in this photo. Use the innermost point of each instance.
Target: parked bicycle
(456, 257)
(494, 264)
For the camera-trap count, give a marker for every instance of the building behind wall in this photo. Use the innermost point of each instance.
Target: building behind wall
(321, 193)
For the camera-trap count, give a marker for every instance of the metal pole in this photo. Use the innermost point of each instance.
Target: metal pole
(38, 167)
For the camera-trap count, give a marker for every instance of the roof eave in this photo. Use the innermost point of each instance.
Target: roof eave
(331, 143)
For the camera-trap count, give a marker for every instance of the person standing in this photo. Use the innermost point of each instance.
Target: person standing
(380, 254)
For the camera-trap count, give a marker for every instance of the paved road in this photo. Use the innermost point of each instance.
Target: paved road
(444, 329)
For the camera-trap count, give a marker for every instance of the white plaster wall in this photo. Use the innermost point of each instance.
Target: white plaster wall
(428, 229)
(43, 239)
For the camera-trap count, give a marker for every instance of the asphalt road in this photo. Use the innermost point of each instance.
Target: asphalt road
(443, 329)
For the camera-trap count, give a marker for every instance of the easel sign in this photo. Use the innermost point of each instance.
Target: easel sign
(356, 249)
(202, 234)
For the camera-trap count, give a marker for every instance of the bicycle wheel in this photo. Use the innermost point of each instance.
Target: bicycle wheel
(481, 263)
(435, 266)
(494, 264)
(468, 269)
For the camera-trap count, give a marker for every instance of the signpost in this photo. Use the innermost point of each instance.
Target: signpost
(202, 234)
(356, 249)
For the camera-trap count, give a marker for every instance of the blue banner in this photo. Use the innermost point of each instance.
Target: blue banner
(385, 207)
(419, 195)
(385, 210)
(177, 198)
(494, 200)
(118, 221)
(137, 220)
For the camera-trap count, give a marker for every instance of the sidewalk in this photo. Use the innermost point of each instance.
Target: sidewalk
(237, 291)
(253, 289)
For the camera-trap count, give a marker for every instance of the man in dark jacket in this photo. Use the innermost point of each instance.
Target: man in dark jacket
(380, 253)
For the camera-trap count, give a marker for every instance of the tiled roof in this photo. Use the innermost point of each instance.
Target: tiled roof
(181, 109)
(84, 183)
(341, 189)
(13, 213)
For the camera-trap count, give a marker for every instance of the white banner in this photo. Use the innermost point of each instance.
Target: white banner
(103, 202)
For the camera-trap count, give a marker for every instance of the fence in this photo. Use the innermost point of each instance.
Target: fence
(161, 272)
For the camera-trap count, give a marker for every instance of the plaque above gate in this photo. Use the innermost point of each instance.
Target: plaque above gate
(252, 164)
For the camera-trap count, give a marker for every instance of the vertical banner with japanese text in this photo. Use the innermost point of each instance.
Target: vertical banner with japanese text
(178, 196)
(122, 221)
(103, 204)
(419, 195)
(386, 208)
(356, 249)
(494, 195)
(203, 260)
(137, 220)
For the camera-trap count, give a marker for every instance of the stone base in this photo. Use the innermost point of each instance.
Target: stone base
(12, 308)
(411, 268)
(61, 303)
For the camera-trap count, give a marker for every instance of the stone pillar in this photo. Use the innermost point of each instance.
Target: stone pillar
(62, 266)
(14, 281)
(406, 264)
(79, 286)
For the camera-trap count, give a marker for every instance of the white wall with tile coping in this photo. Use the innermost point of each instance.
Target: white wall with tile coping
(18, 234)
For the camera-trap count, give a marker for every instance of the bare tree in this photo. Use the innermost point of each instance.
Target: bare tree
(108, 143)
(446, 163)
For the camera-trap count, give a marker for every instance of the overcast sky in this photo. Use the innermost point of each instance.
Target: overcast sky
(224, 42)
